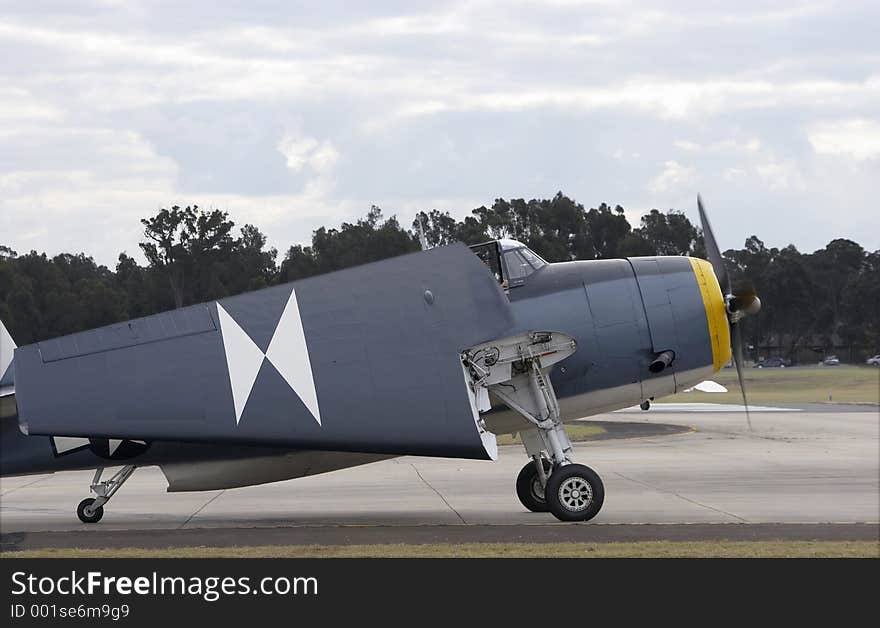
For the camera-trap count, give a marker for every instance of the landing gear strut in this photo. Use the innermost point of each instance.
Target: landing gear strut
(516, 371)
(91, 509)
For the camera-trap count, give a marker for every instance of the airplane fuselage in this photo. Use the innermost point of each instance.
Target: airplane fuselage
(621, 313)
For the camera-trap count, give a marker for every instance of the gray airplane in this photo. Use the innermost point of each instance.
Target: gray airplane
(427, 354)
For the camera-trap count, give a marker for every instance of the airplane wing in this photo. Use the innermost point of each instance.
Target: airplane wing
(365, 359)
(7, 349)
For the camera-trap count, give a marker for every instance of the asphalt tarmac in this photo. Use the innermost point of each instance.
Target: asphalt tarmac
(802, 473)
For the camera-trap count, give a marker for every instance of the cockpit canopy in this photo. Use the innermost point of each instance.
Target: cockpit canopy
(510, 261)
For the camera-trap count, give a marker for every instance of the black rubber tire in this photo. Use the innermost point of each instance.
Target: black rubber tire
(96, 515)
(559, 493)
(526, 487)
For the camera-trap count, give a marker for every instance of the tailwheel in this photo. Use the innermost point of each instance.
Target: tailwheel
(530, 486)
(574, 492)
(87, 512)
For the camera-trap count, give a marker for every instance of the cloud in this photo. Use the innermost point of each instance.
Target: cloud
(664, 98)
(687, 145)
(732, 174)
(229, 63)
(293, 118)
(308, 152)
(780, 175)
(79, 188)
(673, 177)
(85, 189)
(855, 138)
(752, 145)
(19, 106)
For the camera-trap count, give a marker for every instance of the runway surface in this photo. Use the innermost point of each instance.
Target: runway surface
(810, 468)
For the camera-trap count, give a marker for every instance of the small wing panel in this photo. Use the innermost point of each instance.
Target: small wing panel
(7, 350)
(365, 359)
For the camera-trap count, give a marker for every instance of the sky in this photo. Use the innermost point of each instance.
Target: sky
(293, 115)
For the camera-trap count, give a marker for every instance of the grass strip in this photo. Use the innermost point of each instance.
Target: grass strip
(644, 549)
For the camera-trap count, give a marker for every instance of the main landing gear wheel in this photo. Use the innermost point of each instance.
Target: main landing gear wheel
(86, 513)
(574, 492)
(529, 488)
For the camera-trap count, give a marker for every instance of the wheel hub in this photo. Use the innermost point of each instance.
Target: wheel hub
(538, 489)
(575, 494)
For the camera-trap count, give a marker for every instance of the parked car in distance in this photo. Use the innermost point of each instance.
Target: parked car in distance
(773, 363)
(831, 360)
(875, 361)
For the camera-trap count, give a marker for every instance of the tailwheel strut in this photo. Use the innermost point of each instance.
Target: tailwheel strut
(516, 370)
(91, 509)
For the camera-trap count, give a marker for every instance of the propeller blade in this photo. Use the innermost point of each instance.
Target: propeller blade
(741, 300)
(712, 250)
(738, 360)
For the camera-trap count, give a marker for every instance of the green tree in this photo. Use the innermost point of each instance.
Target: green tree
(439, 227)
(555, 228)
(471, 231)
(299, 262)
(785, 284)
(860, 305)
(634, 244)
(833, 268)
(604, 232)
(367, 240)
(831, 296)
(185, 246)
(42, 298)
(668, 234)
(249, 266)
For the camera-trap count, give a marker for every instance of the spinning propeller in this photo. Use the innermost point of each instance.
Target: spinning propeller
(740, 300)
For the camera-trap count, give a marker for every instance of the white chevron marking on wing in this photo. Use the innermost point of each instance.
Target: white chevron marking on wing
(243, 359)
(289, 354)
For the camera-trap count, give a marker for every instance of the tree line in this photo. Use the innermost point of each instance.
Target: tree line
(812, 301)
